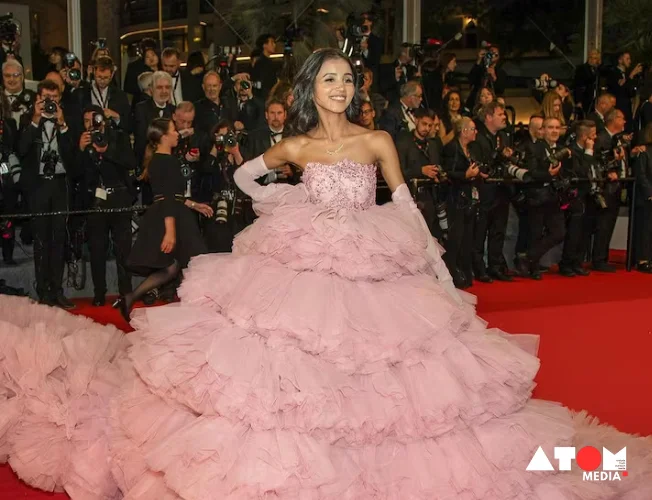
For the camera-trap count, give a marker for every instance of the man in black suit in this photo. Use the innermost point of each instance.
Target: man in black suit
(137, 67)
(393, 76)
(622, 84)
(581, 165)
(111, 99)
(420, 157)
(185, 87)
(490, 75)
(399, 115)
(249, 110)
(20, 98)
(46, 151)
(108, 168)
(262, 139)
(213, 108)
(586, 82)
(263, 73)
(600, 221)
(156, 107)
(604, 104)
(547, 225)
(371, 45)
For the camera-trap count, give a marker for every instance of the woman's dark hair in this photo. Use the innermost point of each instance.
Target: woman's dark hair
(156, 130)
(445, 60)
(224, 123)
(302, 115)
(445, 113)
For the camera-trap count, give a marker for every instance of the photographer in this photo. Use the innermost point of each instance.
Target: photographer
(9, 177)
(249, 110)
(544, 210)
(601, 214)
(46, 152)
(213, 108)
(20, 98)
(371, 45)
(586, 82)
(622, 82)
(191, 150)
(112, 100)
(604, 104)
(227, 201)
(399, 115)
(487, 73)
(463, 171)
(437, 83)
(493, 210)
(643, 231)
(421, 158)
(264, 70)
(108, 164)
(139, 66)
(264, 138)
(393, 76)
(583, 164)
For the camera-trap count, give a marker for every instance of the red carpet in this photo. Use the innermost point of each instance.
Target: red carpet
(596, 340)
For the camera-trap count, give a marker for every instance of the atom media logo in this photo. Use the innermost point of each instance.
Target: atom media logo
(614, 465)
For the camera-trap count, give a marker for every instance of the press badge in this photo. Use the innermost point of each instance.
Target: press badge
(100, 193)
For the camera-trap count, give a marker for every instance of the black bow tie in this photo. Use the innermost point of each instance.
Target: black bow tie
(276, 134)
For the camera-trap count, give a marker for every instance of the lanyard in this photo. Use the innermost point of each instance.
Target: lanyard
(422, 147)
(103, 103)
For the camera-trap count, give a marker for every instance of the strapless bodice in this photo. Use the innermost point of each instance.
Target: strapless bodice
(345, 184)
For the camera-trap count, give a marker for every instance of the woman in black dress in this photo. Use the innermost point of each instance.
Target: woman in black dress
(169, 233)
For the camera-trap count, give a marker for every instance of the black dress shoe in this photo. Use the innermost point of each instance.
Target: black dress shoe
(580, 271)
(536, 275)
(484, 278)
(644, 267)
(62, 302)
(567, 271)
(522, 267)
(497, 274)
(604, 268)
(99, 301)
(46, 300)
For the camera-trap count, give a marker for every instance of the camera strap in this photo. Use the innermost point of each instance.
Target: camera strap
(422, 146)
(102, 103)
(49, 138)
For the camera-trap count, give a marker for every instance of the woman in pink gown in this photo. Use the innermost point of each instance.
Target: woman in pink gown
(329, 357)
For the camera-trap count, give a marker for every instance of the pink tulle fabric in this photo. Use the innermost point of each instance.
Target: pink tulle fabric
(323, 359)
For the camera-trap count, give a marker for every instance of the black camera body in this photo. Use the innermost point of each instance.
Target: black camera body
(24, 100)
(98, 136)
(8, 30)
(100, 43)
(223, 141)
(69, 62)
(50, 158)
(50, 107)
(246, 85)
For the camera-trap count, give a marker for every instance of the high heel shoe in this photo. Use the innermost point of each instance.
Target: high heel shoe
(121, 305)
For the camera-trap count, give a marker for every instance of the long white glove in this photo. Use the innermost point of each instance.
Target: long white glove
(402, 198)
(246, 175)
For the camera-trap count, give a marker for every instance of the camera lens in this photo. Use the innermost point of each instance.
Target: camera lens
(245, 85)
(50, 107)
(75, 75)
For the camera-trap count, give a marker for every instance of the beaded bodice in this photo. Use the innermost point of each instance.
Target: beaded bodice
(345, 184)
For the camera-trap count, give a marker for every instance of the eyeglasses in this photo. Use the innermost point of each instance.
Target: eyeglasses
(9, 75)
(472, 129)
(367, 111)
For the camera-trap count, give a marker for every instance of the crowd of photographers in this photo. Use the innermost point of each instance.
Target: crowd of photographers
(79, 141)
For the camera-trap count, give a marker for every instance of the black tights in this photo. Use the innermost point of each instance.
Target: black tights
(155, 280)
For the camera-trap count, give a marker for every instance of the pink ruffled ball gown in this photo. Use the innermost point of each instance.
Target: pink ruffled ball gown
(328, 357)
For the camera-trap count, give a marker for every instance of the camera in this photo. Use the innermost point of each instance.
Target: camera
(545, 84)
(49, 106)
(246, 85)
(98, 136)
(9, 30)
(223, 141)
(69, 61)
(50, 158)
(24, 100)
(100, 43)
(220, 203)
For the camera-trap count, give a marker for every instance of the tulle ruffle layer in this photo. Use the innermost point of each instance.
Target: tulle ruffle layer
(56, 381)
(379, 243)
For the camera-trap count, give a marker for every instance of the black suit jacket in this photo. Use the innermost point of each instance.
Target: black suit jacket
(190, 87)
(117, 101)
(456, 164)
(599, 122)
(584, 85)
(643, 172)
(412, 159)
(389, 86)
(144, 113)
(393, 120)
(374, 53)
(257, 143)
(623, 93)
(134, 70)
(29, 152)
(264, 72)
(208, 114)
